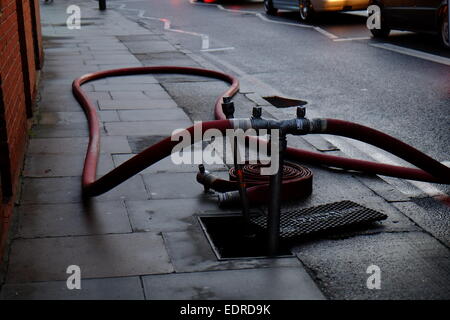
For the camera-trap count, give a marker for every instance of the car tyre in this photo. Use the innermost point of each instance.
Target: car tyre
(444, 33)
(384, 30)
(270, 9)
(306, 10)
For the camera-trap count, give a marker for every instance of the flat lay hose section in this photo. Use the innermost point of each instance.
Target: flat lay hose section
(429, 170)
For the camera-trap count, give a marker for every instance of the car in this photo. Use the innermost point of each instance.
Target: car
(307, 8)
(429, 16)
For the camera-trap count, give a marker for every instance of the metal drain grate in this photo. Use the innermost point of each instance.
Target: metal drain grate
(296, 223)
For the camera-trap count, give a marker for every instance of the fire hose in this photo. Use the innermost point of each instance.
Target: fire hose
(428, 169)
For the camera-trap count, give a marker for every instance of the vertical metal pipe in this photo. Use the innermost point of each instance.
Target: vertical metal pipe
(102, 4)
(239, 168)
(273, 218)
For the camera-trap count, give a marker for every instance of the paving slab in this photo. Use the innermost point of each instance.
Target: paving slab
(107, 45)
(190, 251)
(130, 95)
(140, 128)
(115, 144)
(251, 284)
(140, 143)
(141, 37)
(167, 165)
(178, 185)
(112, 59)
(127, 85)
(111, 66)
(152, 114)
(136, 79)
(179, 78)
(68, 190)
(62, 165)
(72, 219)
(61, 130)
(137, 104)
(168, 215)
(64, 103)
(74, 117)
(157, 94)
(69, 72)
(174, 62)
(137, 47)
(413, 265)
(126, 288)
(102, 256)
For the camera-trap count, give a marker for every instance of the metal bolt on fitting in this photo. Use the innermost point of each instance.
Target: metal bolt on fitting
(257, 112)
(228, 107)
(301, 112)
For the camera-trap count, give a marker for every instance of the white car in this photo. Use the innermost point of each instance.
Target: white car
(306, 8)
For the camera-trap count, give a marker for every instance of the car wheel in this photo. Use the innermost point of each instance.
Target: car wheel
(270, 9)
(383, 31)
(306, 10)
(444, 30)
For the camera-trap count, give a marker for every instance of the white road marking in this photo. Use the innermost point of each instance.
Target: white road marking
(218, 49)
(234, 10)
(298, 25)
(329, 35)
(412, 53)
(265, 18)
(167, 26)
(351, 39)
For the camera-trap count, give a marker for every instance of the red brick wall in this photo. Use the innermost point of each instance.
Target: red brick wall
(18, 85)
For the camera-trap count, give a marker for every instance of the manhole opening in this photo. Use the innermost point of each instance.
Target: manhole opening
(229, 238)
(281, 102)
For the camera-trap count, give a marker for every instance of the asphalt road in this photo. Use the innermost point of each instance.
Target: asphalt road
(402, 95)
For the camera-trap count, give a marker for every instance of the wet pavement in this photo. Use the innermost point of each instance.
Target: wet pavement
(142, 240)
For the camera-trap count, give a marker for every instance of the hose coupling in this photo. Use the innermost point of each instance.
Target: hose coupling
(205, 178)
(228, 107)
(229, 199)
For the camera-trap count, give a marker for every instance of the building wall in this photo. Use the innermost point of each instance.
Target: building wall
(20, 57)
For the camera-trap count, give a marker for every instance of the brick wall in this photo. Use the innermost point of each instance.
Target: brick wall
(20, 57)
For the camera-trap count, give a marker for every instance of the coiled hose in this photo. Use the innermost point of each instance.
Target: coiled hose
(296, 184)
(429, 170)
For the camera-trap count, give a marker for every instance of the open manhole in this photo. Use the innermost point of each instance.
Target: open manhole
(281, 102)
(231, 239)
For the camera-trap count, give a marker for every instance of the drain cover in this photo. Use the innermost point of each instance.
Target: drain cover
(296, 223)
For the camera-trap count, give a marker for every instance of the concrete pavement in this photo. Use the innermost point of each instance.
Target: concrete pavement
(142, 239)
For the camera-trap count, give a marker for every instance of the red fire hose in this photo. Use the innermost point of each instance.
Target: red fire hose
(430, 169)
